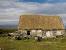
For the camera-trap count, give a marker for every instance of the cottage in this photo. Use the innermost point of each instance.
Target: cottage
(43, 26)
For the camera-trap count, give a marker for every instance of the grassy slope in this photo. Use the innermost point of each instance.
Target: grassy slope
(9, 44)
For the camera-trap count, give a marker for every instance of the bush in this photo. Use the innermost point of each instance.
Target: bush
(18, 38)
(3, 35)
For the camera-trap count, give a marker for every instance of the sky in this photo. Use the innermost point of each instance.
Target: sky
(10, 10)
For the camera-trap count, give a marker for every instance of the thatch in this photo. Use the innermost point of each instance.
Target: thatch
(40, 22)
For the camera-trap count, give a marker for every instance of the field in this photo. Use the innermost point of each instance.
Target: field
(31, 44)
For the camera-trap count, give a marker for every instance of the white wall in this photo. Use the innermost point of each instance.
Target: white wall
(52, 34)
(36, 33)
(59, 32)
(39, 33)
(49, 34)
(33, 32)
(44, 34)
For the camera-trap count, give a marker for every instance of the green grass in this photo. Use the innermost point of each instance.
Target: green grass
(31, 44)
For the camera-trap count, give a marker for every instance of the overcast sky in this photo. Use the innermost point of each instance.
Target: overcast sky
(10, 10)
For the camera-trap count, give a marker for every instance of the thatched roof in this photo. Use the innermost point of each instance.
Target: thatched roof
(40, 22)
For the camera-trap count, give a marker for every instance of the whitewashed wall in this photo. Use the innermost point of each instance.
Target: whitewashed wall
(33, 32)
(49, 34)
(39, 33)
(44, 34)
(59, 32)
(36, 33)
(24, 31)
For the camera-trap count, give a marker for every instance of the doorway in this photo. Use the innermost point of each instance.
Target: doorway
(28, 32)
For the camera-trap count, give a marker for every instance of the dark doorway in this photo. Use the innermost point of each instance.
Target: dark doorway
(28, 32)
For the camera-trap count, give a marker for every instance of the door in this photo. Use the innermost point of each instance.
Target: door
(28, 32)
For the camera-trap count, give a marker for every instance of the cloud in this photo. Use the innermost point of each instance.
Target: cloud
(47, 8)
(10, 10)
(43, 1)
(56, 1)
(38, 1)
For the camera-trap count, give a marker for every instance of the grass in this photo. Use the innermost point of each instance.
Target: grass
(31, 44)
